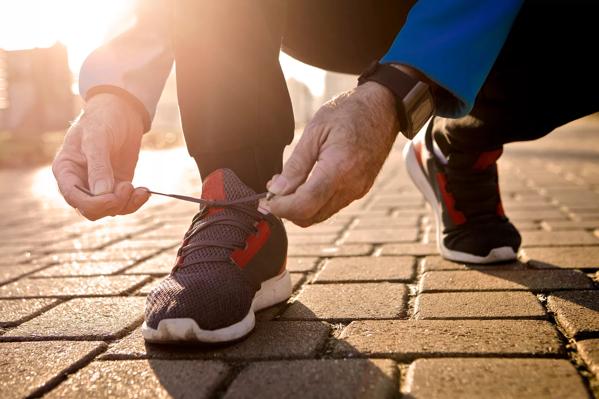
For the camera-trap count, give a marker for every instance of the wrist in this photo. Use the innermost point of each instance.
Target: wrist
(414, 103)
(116, 111)
(114, 94)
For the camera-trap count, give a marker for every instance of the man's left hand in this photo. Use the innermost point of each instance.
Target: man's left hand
(338, 156)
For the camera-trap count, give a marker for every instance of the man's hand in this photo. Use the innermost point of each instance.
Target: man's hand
(338, 156)
(100, 151)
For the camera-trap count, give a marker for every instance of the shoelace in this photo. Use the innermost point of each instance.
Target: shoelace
(247, 225)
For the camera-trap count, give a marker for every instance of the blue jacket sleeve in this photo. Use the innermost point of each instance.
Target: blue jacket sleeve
(454, 43)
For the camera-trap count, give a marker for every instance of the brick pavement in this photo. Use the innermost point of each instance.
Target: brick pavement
(375, 311)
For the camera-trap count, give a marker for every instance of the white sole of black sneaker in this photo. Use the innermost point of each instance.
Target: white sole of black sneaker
(272, 291)
(500, 254)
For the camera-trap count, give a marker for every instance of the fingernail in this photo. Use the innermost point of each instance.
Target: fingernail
(278, 186)
(101, 187)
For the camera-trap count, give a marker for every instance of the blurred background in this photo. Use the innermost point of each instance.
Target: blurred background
(42, 46)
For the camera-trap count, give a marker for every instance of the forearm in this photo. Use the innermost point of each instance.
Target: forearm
(136, 64)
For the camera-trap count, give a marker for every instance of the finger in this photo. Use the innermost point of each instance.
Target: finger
(139, 197)
(96, 150)
(309, 198)
(300, 163)
(68, 175)
(338, 201)
(123, 191)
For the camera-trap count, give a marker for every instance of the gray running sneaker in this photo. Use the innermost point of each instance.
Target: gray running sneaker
(231, 264)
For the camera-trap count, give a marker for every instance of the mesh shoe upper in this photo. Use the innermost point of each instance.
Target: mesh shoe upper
(226, 254)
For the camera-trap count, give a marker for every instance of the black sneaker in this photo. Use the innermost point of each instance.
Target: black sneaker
(231, 264)
(463, 192)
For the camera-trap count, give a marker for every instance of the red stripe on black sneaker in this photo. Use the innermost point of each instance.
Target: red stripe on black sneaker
(486, 159)
(456, 216)
(254, 243)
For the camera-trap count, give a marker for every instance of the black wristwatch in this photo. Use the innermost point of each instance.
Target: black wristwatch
(414, 100)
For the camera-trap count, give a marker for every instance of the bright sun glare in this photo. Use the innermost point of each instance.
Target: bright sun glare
(82, 25)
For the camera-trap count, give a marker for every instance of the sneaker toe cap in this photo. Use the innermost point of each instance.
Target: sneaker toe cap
(215, 297)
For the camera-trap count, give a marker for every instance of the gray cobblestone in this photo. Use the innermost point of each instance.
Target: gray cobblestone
(493, 378)
(357, 269)
(541, 280)
(478, 305)
(26, 367)
(355, 378)
(408, 339)
(349, 301)
(15, 311)
(61, 287)
(144, 379)
(577, 312)
(271, 339)
(83, 318)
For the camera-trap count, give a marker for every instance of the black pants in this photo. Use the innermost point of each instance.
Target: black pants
(236, 110)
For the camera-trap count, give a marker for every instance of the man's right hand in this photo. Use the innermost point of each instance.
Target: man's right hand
(100, 152)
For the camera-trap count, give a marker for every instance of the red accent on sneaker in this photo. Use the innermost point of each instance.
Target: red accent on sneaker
(213, 189)
(456, 216)
(500, 210)
(254, 243)
(486, 159)
(418, 149)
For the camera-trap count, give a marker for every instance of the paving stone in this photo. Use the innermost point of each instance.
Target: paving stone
(144, 379)
(10, 273)
(347, 378)
(556, 225)
(478, 305)
(538, 214)
(329, 250)
(160, 265)
(97, 256)
(299, 264)
(436, 263)
(83, 318)
(408, 339)
(414, 249)
(356, 269)
(26, 257)
(62, 287)
(312, 239)
(493, 378)
(566, 237)
(589, 351)
(316, 229)
(153, 244)
(269, 340)
(15, 311)
(297, 279)
(79, 269)
(26, 367)
(386, 222)
(563, 257)
(349, 301)
(577, 312)
(541, 280)
(381, 236)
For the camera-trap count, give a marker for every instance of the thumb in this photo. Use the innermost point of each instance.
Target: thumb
(298, 166)
(99, 168)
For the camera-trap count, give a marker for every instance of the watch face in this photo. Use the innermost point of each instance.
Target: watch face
(419, 105)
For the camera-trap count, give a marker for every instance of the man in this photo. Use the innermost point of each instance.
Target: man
(237, 119)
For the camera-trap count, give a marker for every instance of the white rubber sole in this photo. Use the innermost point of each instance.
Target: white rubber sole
(273, 291)
(500, 254)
